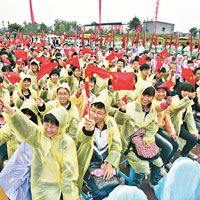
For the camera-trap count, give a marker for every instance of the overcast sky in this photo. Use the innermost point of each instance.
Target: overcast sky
(184, 14)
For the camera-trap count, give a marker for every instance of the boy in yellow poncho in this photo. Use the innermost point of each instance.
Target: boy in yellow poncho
(100, 141)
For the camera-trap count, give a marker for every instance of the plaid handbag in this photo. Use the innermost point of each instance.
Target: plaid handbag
(144, 153)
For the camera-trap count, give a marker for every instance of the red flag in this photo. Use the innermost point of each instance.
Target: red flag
(124, 41)
(43, 42)
(42, 35)
(177, 41)
(90, 38)
(110, 57)
(198, 48)
(159, 63)
(113, 40)
(106, 39)
(119, 55)
(191, 45)
(138, 37)
(164, 54)
(45, 69)
(189, 38)
(18, 35)
(31, 10)
(144, 40)
(171, 41)
(31, 35)
(82, 39)
(22, 34)
(6, 61)
(70, 34)
(124, 99)
(122, 80)
(101, 41)
(74, 61)
(143, 59)
(188, 75)
(12, 77)
(133, 38)
(168, 84)
(7, 35)
(151, 42)
(155, 42)
(110, 39)
(35, 34)
(21, 54)
(166, 40)
(67, 52)
(91, 69)
(127, 39)
(18, 62)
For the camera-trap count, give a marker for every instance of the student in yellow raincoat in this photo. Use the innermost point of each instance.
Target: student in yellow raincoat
(24, 91)
(182, 117)
(4, 93)
(100, 141)
(134, 116)
(54, 166)
(63, 95)
(29, 108)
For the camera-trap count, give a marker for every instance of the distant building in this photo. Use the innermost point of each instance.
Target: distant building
(162, 27)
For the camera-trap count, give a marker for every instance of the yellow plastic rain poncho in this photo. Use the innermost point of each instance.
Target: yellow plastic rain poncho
(16, 99)
(85, 150)
(175, 110)
(54, 166)
(132, 121)
(8, 135)
(4, 93)
(73, 115)
(50, 94)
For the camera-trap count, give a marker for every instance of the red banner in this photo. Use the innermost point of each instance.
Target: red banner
(31, 10)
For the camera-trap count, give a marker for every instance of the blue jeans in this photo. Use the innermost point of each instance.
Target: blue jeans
(191, 140)
(3, 152)
(96, 193)
(168, 145)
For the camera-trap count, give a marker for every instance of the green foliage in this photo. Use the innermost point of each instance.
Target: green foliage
(64, 26)
(194, 31)
(15, 27)
(134, 23)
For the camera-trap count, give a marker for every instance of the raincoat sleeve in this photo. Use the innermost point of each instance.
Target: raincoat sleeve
(115, 147)
(198, 94)
(189, 119)
(48, 106)
(160, 106)
(17, 100)
(81, 136)
(168, 124)
(178, 105)
(120, 117)
(7, 97)
(74, 123)
(69, 172)
(151, 129)
(4, 134)
(24, 128)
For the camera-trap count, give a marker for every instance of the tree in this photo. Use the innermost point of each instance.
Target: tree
(29, 27)
(15, 27)
(134, 23)
(44, 28)
(194, 31)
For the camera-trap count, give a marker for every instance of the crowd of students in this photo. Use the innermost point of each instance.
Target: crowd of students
(69, 131)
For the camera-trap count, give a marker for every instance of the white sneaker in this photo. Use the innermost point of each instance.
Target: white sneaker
(192, 156)
(163, 171)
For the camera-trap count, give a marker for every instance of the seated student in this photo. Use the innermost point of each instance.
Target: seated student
(100, 141)
(48, 92)
(63, 95)
(24, 91)
(19, 164)
(182, 118)
(80, 98)
(7, 135)
(133, 117)
(54, 166)
(166, 137)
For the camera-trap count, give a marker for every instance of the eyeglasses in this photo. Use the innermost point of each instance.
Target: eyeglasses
(46, 126)
(100, 114)
(63, 94)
